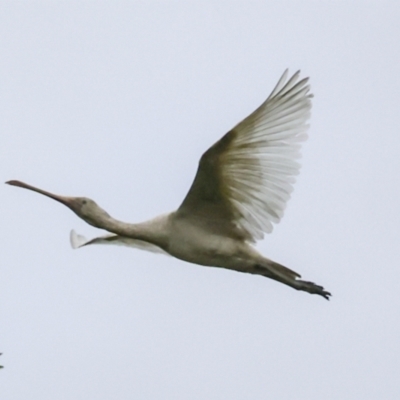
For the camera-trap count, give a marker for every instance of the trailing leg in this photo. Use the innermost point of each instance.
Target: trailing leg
(280, 273)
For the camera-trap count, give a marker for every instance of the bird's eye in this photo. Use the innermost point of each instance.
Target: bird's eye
(84, 201)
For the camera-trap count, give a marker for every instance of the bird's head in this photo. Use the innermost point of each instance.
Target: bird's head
(83, 207)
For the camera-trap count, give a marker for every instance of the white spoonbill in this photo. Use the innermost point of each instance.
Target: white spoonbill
(241, 187)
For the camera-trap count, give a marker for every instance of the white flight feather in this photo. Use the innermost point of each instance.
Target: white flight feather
(259, 167)
(77, 241)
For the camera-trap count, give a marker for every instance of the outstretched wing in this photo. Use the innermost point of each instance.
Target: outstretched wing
(77, 241)
(244, 181)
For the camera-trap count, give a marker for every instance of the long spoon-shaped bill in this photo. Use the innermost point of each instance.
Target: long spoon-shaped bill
(62, 199)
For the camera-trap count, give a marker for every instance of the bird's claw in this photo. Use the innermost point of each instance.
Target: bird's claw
(312, 288)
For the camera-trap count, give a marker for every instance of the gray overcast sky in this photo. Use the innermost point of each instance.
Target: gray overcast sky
(117, 101)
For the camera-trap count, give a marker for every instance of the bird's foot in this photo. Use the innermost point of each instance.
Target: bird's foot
(312, 288)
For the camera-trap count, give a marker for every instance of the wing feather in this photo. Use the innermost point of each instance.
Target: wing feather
(78, 241)
(245, 179)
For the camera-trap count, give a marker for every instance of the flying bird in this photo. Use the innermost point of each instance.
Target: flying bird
(241, 188)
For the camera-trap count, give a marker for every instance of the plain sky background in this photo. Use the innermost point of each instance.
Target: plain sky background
(117, 101)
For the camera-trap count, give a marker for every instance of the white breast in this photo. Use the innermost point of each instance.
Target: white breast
(192, 244)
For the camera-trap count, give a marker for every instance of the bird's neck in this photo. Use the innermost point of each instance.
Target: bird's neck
(154, 231)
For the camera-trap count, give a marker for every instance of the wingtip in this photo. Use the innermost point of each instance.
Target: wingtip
(76, 240)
